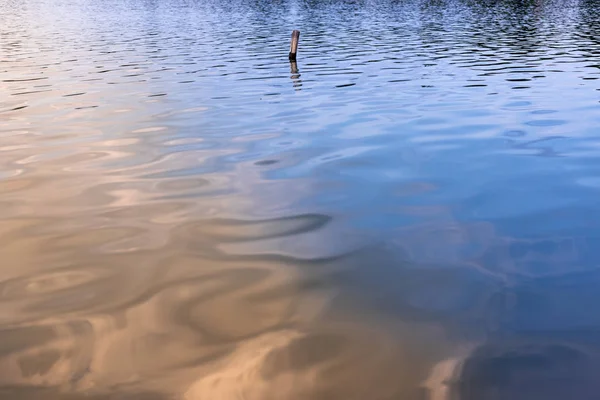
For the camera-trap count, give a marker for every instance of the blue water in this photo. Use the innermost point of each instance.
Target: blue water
(186, 214)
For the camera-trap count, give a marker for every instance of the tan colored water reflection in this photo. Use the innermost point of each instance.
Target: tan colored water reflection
(120, 278)
(114, 281)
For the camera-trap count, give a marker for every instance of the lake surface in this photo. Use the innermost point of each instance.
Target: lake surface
(410, 212)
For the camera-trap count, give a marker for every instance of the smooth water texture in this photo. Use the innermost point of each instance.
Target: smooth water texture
(410, 212)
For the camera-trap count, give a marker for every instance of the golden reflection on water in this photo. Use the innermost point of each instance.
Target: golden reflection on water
(120, 277)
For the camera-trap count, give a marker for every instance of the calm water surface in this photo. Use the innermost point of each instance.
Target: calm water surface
(410, 212)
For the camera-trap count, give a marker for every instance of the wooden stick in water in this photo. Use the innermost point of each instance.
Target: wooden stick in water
(294, 44)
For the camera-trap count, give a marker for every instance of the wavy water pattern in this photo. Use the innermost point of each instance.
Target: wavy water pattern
(409, 211)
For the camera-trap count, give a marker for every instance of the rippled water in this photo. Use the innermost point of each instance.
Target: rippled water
(409, 212)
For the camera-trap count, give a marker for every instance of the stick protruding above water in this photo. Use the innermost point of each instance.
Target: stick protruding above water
(294, 44)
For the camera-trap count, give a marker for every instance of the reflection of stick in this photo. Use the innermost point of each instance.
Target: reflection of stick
(294, 44)
(295, 74)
